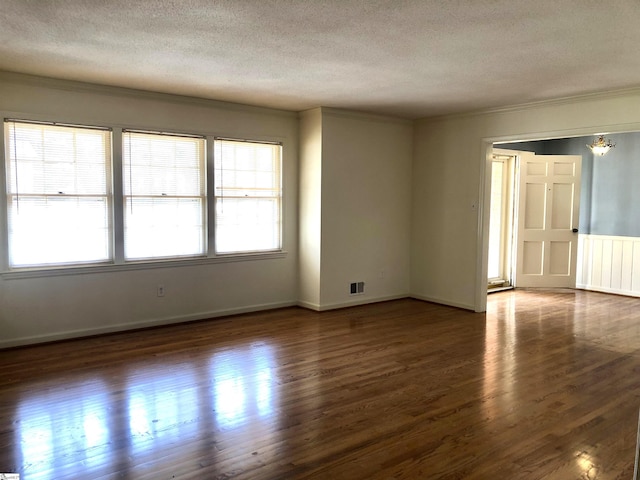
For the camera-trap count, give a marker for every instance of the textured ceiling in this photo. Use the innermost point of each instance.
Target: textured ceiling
(412, 58)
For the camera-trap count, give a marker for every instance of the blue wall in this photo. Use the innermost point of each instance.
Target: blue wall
(610, 185)
(578, 146)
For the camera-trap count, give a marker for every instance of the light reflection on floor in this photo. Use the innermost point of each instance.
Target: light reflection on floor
(500, 359)
(156, 407)
(59, 423)
(157, 411)
(236, 395)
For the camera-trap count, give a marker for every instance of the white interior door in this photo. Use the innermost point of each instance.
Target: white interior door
(548, 212)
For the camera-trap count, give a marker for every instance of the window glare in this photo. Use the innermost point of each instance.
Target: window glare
(58, 194)
(248, 197)
(163, 227)
(60, 209)
(247, 224)
(164, 206)
(57, 231)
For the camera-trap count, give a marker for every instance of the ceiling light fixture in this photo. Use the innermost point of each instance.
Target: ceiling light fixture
(601, 146)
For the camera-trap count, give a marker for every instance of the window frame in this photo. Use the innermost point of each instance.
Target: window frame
(106, 196)
(279, 197)
(118, 262)
(202, 197)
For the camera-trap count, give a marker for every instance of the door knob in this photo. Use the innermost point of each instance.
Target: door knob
(575, 230)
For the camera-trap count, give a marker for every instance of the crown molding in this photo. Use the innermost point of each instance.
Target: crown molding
(519, 107)
(354, 114)
(358, 115)
(76, 86)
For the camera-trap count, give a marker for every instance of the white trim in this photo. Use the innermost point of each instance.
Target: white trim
(94, 120)
(609, 264)
(569, 100)
(210, 188)
(165, 263)
(483, 206)
(4, 220)
(607, 290)
(122, 327)
(116, 187)
(351, 303)
(85, 87)
(357, 115)
(449, 303)
(584, 131)
(309, 305)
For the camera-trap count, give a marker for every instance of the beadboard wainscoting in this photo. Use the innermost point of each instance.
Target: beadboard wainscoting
(609, 264)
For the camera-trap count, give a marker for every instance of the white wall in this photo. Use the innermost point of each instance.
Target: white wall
(310, 208)
(366, 207)
(51, 307)
(449, 232)
(396, 204)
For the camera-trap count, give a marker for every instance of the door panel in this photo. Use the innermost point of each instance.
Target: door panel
(547, 213)
(535, 201)
(533, 260)
(536, 168)
(560, 258)
(562, 214)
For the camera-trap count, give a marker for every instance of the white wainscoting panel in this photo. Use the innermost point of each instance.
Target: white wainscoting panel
(609, 264)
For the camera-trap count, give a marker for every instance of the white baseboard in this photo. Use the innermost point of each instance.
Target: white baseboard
(440, 301)
(613, 291)
(361, 300)
(309, 305)
(121, 327)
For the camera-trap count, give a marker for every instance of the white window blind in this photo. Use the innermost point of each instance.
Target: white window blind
(248, 196)
(58, 194)
(164, 195)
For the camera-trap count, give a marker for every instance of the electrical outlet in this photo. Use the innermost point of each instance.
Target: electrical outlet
(161, 290)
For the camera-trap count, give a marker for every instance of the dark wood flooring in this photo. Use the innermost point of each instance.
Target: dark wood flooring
(545, 386)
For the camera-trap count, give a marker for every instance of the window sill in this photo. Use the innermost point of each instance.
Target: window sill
(137, 265)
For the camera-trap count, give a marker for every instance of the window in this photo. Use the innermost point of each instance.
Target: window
(70, 204)
(247, 196)
(164, 195)
(58, 194)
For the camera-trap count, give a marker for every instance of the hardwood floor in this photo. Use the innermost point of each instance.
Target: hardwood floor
(547, 385)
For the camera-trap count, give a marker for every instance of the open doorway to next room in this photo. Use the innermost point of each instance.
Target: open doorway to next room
(501, 223)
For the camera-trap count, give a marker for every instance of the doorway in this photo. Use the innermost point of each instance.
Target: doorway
(501, 222)
(533, 215)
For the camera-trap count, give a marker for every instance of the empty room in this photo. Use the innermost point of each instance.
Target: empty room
(309, 240)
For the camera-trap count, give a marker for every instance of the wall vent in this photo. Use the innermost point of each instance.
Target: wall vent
(356, 288)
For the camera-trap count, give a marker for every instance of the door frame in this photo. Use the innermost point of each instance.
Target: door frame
(511, 209)
(484, 189)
